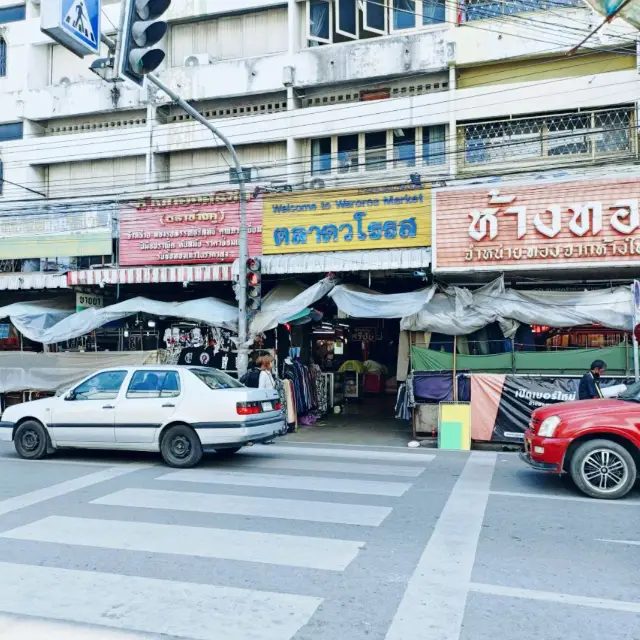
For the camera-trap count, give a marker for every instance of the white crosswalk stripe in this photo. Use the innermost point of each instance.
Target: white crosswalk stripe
(248, 546)
(325, 466)
(196, 611)
(354, 454)
(338, 485)
(336, 513)
(155, 520)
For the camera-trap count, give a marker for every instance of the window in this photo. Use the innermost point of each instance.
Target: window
(404, 14)
(399, 148)
(404, 148)
(433, 145)
(319, 20)
(103, 386)
(3, 57)
(348, 153)
(375, 16)
(215, 379)
(375, 150)
(589, 134)
(330, 21)
(11, 131)
(347, 18)
(433, 12)
(154, 384)
(480, 9)
(320, 156)
(12, 14)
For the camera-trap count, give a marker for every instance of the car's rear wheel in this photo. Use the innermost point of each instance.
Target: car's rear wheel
(31, 440)
(225, 453)
(181, 447)
(603, 469)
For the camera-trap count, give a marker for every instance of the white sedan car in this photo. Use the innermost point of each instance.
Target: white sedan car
(179, 411)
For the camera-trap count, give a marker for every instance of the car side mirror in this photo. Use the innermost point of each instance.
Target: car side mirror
(70, 396)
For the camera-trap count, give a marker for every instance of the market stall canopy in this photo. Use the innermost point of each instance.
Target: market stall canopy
(286, 302)
(628, 11)
(211, 311)
(33, 318)
(25, 371)
(358, 302)
(458, 311)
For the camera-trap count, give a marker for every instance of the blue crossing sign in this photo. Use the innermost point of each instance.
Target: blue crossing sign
(75, 24)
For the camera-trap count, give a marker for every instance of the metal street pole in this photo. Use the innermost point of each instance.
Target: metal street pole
(243, 337)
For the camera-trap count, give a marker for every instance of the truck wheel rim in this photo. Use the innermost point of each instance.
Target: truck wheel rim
(604, 470)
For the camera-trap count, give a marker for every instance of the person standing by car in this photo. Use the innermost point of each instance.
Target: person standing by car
(589, 387)
(266, 377)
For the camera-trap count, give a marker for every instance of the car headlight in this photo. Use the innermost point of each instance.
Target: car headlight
(549, 426)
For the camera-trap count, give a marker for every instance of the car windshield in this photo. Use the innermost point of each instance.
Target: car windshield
(215, 379)
(631, 393)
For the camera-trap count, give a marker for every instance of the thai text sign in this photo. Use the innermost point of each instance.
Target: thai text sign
(187, 230)
(51, 232)
(537, 226)
(347, 219)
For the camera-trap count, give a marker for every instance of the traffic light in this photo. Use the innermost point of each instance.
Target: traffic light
(254, 285)
(141, 31)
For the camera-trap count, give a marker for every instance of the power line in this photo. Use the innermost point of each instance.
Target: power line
(298, 113)
(308, 159)
(410, 109)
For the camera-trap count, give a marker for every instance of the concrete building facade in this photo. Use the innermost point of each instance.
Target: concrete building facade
(317, 94)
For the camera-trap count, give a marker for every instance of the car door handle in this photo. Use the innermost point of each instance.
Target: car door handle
(168, 405)
(108, 406)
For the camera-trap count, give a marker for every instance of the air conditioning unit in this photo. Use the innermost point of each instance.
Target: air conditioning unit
(198, 60)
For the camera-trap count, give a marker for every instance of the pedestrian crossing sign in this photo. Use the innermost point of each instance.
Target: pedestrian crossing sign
(75, 24)
(77, 21)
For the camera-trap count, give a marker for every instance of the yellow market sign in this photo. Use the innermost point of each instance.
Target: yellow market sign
(346, 220)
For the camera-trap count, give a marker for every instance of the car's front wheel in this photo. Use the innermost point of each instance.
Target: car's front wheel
(181, 447)
(30, 440)
(603, 469)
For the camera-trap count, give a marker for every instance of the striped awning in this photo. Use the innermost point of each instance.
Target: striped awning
(151, 275)
(36, 280)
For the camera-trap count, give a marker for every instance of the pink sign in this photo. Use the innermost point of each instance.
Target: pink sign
(541, 225)
(187, 230)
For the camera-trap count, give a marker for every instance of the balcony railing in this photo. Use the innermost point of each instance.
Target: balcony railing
(587, 135)
(481, 9)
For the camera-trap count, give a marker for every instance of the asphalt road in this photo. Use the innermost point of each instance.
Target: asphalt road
(308, 542)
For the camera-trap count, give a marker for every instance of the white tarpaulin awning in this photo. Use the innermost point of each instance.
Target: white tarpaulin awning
(25, 371)
(211, 311)
(459, 311)
(285, 301)
(359, 302)
(33, 318)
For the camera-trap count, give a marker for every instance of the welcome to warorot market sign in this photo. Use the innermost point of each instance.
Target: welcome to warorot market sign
(538, 225)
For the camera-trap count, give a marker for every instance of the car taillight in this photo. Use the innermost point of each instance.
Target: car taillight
(277, 406)
(248, 408)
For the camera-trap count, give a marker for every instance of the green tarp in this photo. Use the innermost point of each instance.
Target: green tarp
(559, 362)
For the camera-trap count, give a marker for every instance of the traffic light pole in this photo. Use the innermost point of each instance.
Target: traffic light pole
(243, 337)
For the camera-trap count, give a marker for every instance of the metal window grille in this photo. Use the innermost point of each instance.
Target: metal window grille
(587, 135)
(481, 9)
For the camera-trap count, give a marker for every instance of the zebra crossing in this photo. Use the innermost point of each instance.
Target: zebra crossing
(324, 503)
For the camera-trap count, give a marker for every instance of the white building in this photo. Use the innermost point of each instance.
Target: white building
(319, 93)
